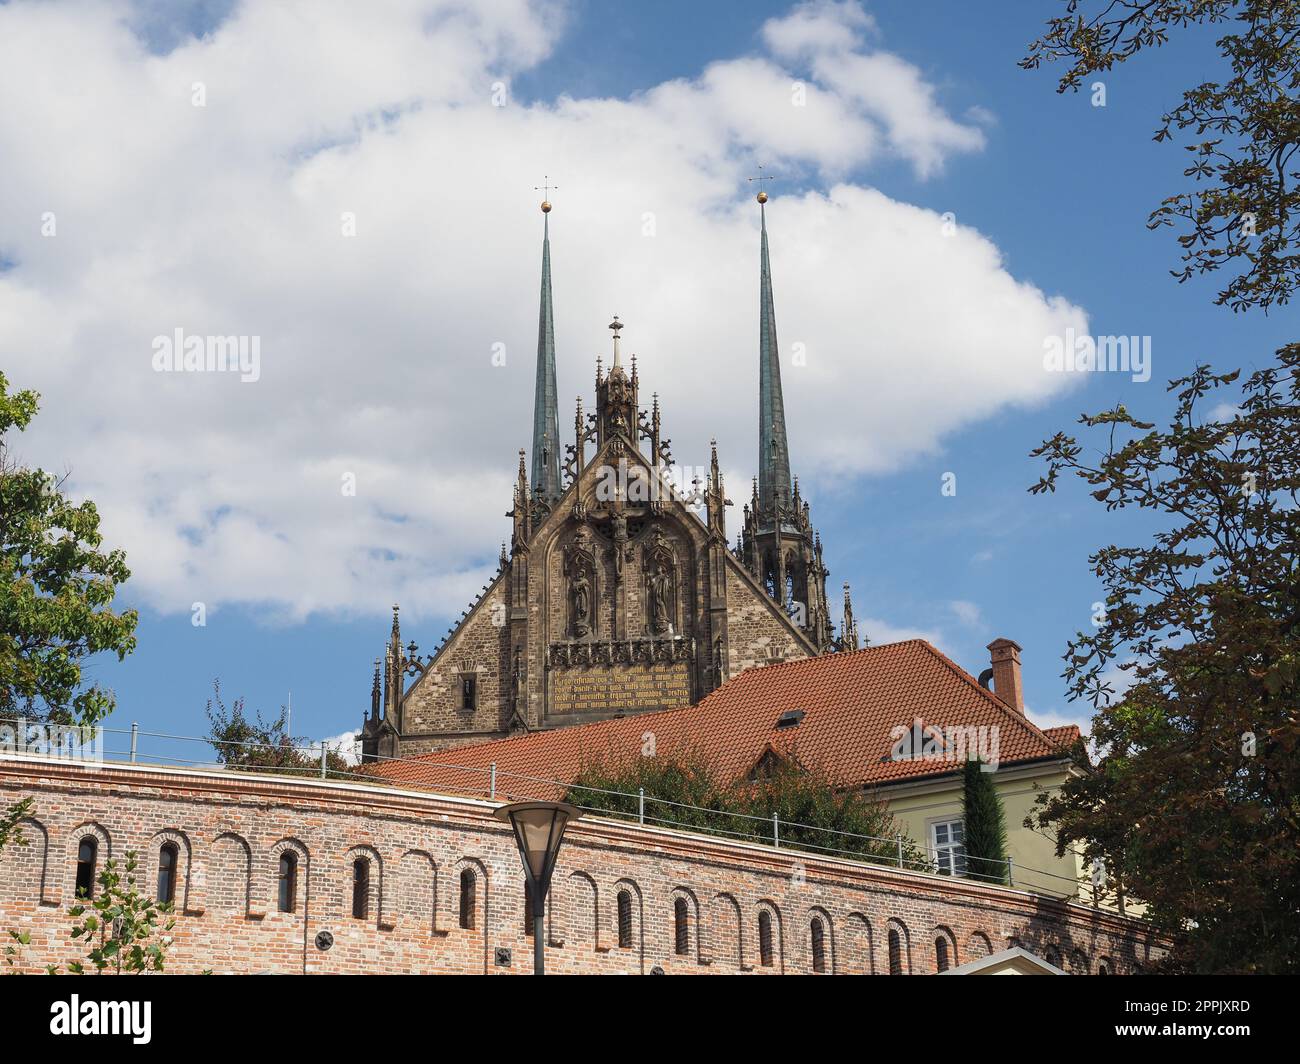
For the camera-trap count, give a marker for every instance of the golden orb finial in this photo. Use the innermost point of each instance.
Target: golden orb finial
(546, 206)
(762, 197)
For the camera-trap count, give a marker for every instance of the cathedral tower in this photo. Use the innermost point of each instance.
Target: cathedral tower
(546, 414)
(778, 543)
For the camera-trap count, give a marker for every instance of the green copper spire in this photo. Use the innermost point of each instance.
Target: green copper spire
(546, 416)
(773, 452)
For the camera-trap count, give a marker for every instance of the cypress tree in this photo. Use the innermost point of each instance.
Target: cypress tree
(985, 826)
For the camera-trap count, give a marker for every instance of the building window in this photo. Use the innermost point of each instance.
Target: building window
(948, 842)
(86, 852)
(360, 888)
(940, 954)
(681, 927)
(818, 946)
(765, 938)
(467, 905)
(288, 881)
(468, 690)
(895, 953)
(624, 920)
(1103, 968)
(167, 857)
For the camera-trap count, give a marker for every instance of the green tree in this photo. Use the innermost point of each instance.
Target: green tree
(56, 593)
(1242, 130)
(255, 744)
(56, 589)
(984, 825)
(685, 792)
(1195, 801)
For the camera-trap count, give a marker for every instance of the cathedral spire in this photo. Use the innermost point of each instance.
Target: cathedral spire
(773, 452)
(546, 418)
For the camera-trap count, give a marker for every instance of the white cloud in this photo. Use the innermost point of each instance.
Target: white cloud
(1079, 714)
(828, 38)
(347, 745)
(376, 350)
(818, 27)
(880, 632)
(966, 612)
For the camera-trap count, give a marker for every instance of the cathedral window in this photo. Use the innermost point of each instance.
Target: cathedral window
(167, 859)
(288, 881)
(360, 888)
(87, 850)
(468, 691)
(467, 901)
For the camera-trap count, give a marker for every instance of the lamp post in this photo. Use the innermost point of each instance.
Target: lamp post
(539, 830)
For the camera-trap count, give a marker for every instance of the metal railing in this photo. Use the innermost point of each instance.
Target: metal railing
(306, 758)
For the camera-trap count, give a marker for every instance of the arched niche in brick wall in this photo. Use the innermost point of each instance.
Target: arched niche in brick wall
(184, 863)
(777, 925)
(855, 955)
(415, 893)
(637, 914)
(726, 933)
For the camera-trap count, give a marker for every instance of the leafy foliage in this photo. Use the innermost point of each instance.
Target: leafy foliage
(984, 824)
(56, 588)
(127, 932)
(1243, 133)
(11, 829)
(1195, 802)
(258, 745)
(687, 793)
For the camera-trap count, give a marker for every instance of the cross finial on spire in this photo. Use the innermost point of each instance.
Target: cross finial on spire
(545, 188)
(615, 326)
(760, 178)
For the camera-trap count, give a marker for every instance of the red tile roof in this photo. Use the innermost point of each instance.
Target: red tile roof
(1064, 735)
(852, 703)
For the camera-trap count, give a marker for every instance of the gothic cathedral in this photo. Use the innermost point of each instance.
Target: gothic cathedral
(616, 596)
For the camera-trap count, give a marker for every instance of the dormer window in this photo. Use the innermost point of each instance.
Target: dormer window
(766, 766)
(790, 718)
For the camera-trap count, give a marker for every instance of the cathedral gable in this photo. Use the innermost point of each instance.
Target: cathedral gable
(614, 596)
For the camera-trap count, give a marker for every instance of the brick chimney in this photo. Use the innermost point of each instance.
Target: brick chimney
(1004, 655)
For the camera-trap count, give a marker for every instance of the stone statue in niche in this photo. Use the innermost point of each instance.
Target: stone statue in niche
(580, 597)
(659, 585)
(619, 526)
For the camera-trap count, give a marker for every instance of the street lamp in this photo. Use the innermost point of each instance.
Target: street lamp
(539, 830)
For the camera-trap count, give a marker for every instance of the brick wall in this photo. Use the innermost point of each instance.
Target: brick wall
(418, 849)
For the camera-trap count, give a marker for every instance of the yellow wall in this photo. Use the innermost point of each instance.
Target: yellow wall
(1033, 854)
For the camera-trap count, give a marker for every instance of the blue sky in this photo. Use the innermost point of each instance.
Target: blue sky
(1060, 187)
